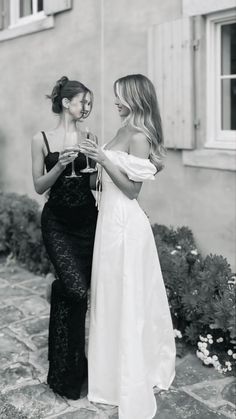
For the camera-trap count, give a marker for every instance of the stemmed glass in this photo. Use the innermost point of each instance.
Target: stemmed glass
(88, 168)
(71, 144)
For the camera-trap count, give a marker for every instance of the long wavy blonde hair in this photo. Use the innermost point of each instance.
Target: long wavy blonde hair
(138, 94)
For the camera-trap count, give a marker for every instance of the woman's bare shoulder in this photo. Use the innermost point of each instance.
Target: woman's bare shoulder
(37, 138)
(139, 145)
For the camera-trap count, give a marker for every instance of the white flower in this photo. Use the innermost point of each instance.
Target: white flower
(200, 355)
(206, 361)
(215, 357)
(177, 333)
(194, 252)
(206, 352)
(216, 364)
(199, 344)
(204, 345)
(234, 356)
(179, 247)
(173, 252)
(209, 337)
(229, 369)
(210, 341)
(231, 282)
(201, 338)
(230, 352)
(228, 363)
(219, 340)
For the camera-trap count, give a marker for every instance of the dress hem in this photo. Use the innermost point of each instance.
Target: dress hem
(165, 388)
(102, 401)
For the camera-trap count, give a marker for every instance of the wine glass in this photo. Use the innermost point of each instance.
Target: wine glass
(71, 144)
(88, 168)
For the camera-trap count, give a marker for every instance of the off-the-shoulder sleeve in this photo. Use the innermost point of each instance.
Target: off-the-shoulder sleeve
(135, 168)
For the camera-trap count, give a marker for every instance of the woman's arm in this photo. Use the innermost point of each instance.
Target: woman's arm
(42, 182)
(129, 187)
(139, 147)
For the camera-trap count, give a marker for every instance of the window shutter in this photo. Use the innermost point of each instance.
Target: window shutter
(55, 6)
(171, 70)
(4, 14)
(1, 14)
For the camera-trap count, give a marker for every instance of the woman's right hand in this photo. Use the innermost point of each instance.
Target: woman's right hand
(91, 149)
(66, 157)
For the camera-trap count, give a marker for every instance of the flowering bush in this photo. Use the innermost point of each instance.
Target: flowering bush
(212, 351)
(201, 293)
(20, 232)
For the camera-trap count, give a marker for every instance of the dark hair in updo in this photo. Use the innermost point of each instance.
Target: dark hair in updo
(65, 88)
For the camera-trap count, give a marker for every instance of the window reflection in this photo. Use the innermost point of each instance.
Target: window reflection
(26, 8)
(228, 77)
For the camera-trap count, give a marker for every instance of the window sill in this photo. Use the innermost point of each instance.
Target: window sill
(210, 159)
(196, 7)
(47, 22)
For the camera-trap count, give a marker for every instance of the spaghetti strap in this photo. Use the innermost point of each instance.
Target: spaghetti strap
(46, 141)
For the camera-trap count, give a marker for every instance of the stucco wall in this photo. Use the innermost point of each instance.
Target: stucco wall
(203, 199)
(29, 66)
(126, 25)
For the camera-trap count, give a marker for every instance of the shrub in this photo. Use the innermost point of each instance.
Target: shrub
(20, 232)
(201, 291)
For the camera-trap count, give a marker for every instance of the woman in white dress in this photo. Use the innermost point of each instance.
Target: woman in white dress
(131, 341)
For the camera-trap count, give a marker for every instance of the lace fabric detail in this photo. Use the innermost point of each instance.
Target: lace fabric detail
(69, 192)
(68, 224)
(67, 361)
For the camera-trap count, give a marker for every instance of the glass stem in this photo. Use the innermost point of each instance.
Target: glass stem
(87, 163)
(73, 167)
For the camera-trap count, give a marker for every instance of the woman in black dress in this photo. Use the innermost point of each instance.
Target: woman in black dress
(68, 228)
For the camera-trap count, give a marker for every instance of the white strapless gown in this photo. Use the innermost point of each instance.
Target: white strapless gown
(131, 341)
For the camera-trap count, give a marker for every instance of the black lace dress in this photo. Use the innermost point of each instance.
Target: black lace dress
(68, 227)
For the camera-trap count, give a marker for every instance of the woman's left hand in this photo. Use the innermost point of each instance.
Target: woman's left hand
(93, 151)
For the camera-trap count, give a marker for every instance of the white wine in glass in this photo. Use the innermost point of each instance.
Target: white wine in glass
(88, 168)
(71, 144)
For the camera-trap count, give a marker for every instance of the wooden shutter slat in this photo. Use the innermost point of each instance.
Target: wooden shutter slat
(172, 74)
(1, 14)
(4, 14)
(55, 6)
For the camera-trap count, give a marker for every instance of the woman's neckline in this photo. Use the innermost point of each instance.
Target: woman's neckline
(110, 149)
(125, 152)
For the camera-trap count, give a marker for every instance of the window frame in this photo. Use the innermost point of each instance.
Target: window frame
(17, 27)
(16, 20)
(216, 137)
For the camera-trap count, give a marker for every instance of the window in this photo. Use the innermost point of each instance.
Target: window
(221, 80)
(228, 76)
(25, 11)
(23, 17)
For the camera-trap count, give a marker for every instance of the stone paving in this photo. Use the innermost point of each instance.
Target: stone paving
(198, 392)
